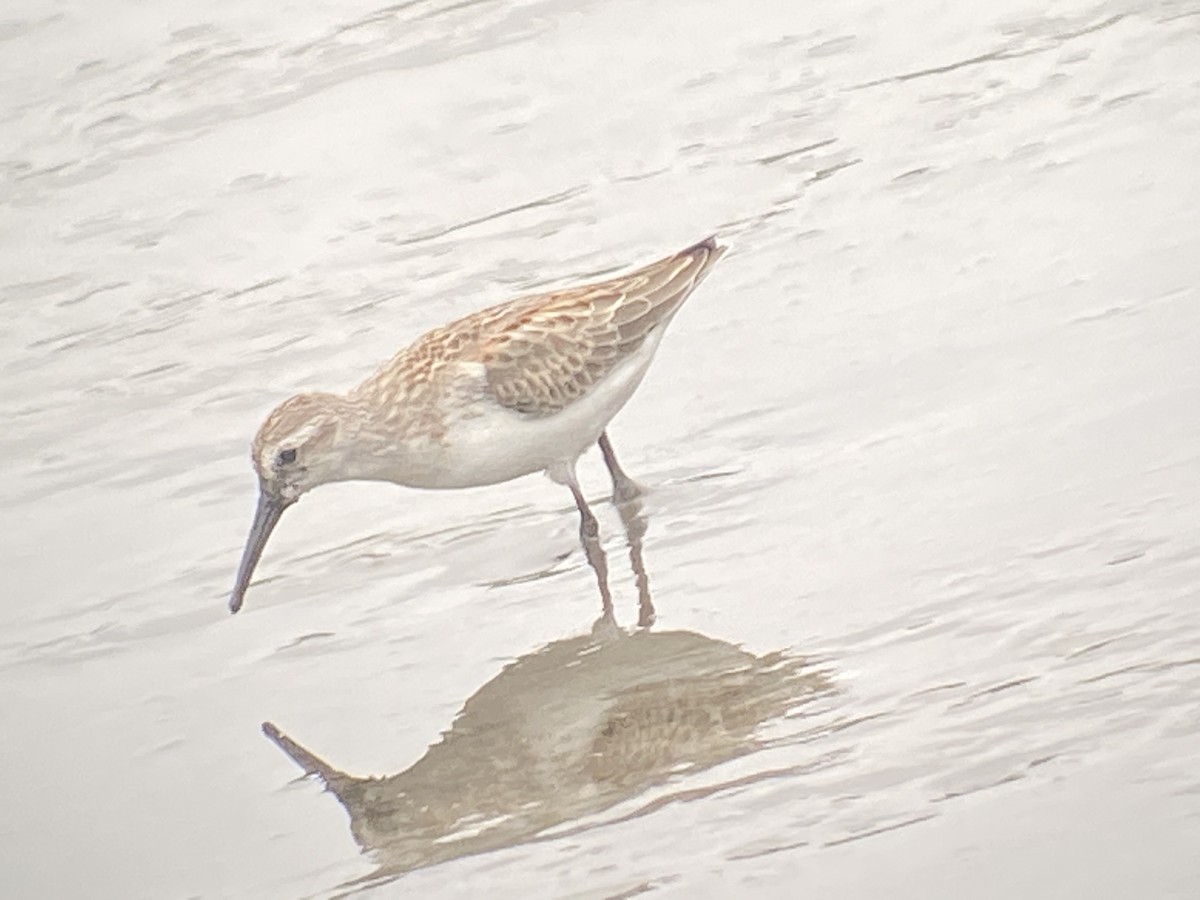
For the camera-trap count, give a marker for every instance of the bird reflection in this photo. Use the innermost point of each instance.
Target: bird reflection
(567, 731)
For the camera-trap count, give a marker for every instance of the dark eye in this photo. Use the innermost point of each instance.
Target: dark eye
(286, 457)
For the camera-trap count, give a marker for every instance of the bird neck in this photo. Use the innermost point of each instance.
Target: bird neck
(369, 448)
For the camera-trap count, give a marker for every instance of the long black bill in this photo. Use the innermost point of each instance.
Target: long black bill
(266, 517)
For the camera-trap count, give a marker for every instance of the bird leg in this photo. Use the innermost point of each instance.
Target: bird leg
(589, 536)
(624, 487)
(627, 497)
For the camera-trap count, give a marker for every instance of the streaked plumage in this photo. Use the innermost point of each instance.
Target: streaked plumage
(522, 387)
(569, 731)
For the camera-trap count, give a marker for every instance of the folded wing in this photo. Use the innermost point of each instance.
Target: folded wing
(547, 351)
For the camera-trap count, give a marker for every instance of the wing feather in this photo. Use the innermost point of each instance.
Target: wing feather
(547, 351)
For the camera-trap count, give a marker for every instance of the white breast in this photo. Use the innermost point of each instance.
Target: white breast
(489, 443)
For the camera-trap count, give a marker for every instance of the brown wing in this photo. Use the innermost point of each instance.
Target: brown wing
(549, 350)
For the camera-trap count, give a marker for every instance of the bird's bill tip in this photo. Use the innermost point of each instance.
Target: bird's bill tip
(266, 517)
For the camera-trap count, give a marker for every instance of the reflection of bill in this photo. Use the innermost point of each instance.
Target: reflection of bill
(569, 730)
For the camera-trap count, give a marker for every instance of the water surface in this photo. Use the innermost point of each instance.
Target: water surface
(927, 439)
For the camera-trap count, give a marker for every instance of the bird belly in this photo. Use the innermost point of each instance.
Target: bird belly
(489, 443)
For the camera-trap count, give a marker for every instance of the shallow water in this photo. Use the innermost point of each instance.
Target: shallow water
(926, 438)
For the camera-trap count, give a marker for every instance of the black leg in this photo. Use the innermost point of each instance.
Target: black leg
(624, 487)
(589, 536)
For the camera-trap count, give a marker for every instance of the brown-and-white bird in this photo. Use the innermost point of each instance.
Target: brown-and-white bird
(523, 387)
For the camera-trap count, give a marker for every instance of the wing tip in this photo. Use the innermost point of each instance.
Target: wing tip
(709, 246)
(705, 253)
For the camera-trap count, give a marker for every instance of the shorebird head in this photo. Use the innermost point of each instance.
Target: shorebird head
(295, 450)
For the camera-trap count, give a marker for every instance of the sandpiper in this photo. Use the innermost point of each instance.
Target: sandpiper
(523, 387)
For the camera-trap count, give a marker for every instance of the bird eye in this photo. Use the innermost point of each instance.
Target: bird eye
(286, 457)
